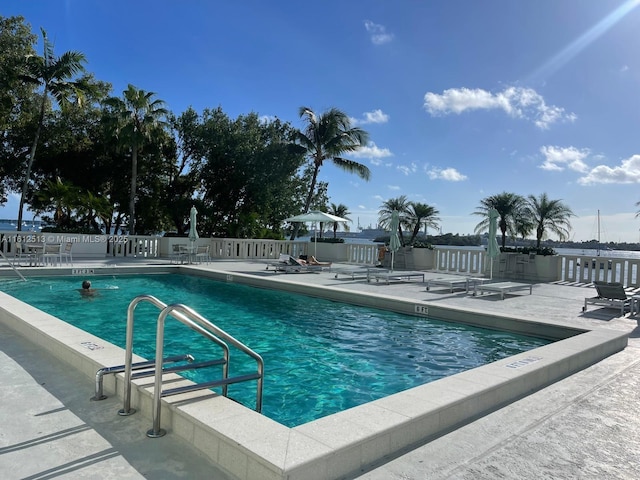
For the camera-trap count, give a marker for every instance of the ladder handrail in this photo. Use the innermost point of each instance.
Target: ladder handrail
(12, 266)
(181, 312)
(128, 359)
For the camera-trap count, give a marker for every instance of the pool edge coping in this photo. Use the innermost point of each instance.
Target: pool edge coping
(342, 443)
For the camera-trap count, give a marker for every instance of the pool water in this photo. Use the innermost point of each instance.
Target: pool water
(320, 356)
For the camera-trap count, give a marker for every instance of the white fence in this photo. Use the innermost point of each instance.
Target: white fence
(571, 268)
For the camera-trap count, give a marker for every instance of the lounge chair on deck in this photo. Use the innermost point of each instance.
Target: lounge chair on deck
(610, 295)
(394, 275)
(288, 264)
(502, 288)
(452, 282)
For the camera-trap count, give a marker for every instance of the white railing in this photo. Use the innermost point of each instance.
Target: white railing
(586, 269)
(572, 268)
(460, 260)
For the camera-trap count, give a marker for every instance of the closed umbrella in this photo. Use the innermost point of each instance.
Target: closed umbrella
(492, 247)
(394, 240)
(315, 216)
(193, 232)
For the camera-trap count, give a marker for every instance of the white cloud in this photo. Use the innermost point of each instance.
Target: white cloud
(377, 116)
(373, 152)
(556, 158)
(627, 172)
(624, 68)
(379, 35)
(448, 174)
(393, 187)
(408, 169)
(516, 102)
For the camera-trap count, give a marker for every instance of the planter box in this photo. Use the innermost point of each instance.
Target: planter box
(536, 268)
(409, 258)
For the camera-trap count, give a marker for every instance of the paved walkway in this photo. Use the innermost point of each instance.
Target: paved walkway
(586, 426)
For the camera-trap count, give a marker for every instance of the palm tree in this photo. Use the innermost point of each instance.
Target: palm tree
(550, 215)
(327, 137)
(401, 205)
(420, 214)
(509, 207)
(339, 211)
(55, 76)
(136, 118)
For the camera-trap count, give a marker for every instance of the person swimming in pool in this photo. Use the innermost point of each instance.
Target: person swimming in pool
(86, 290)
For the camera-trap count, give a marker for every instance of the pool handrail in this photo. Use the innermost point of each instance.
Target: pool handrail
(12, 265)
(180, 312)
(128, 359)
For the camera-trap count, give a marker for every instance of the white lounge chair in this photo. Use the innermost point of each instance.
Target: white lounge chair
(454, 281)
(502, 288)
(288, 264)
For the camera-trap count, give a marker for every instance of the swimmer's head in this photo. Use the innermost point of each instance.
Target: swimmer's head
(86, 284)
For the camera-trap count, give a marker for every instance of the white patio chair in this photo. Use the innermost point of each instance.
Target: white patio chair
(51, 254)
(179, 253)
(66, 253)
(202, 254)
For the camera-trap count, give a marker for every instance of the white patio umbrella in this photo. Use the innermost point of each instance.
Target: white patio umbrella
(492, 247)
(193, 232)
(315, 216)
(394, 240)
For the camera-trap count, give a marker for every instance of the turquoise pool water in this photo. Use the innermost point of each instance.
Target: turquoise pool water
(320, 356)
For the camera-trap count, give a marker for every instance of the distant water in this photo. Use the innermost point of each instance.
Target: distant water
(27, 225)
(588, 252)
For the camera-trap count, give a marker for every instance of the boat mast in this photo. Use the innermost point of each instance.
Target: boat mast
(598, 232)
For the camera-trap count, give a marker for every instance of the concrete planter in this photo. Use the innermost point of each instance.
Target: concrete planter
(410, 258)
(531, 268)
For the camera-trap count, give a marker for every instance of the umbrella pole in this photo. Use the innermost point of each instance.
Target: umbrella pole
(315, 244)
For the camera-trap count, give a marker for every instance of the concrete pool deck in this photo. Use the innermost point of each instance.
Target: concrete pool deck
(587, 425)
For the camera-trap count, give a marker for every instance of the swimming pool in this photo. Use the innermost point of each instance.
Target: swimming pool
(320, 356)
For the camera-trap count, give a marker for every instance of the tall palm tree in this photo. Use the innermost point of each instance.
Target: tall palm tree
(552, 215)
(135, 119)
(401, 205)
(421, 214)
(340, 210)
(55, 76)
(327, 137)
(509, 207)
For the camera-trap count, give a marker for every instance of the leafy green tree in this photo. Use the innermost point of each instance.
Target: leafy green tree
(56, 77)
(339, 210)
(402, 206)
(509, 207)
(327, 137)
(248, 180)
(549, 215)
(137, 119)
(16, 44)
(419, 215)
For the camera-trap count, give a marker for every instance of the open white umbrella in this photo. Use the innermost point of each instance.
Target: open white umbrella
(193, 232)
(394, 240)
(315, 216)
(492, 247)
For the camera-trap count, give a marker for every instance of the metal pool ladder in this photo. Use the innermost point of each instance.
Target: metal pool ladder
(204, 327)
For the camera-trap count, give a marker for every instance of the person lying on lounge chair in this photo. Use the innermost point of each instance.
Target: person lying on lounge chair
(313, 261)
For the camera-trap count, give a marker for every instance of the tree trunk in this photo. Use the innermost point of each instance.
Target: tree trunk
(134, 180)
(307, 204)
(32, 156)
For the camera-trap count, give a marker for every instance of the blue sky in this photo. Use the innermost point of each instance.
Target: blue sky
(462, 99)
